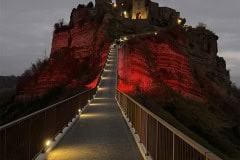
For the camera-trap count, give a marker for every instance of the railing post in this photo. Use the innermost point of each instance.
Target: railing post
(140, 126)
(157, 137)
(30, 137)
(146, 136)
(5, 145)
(173, 146)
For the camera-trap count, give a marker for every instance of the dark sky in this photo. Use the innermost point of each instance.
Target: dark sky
(26, 28)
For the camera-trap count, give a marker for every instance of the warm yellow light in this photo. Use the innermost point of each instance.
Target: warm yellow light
(102, 98)
(103, 89)
(125, 38)
(99, 104)
(79, 110)
(47, 143)
(108, 70)
(106, 78)
(179, 21)
(109, 64)
(155, 33)
(114, 5)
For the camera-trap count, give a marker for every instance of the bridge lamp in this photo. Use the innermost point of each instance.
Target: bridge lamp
(155, 33)
(125, 14)
(179, 21)
(80, 111)
(47, 143)
(114, 5)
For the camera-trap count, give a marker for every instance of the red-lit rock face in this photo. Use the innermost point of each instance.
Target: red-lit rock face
(75, 49)
(133, 70)
(60, 40)
(145, 62)
(82, 40)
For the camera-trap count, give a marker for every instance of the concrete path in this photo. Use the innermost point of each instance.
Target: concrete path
(101, 133)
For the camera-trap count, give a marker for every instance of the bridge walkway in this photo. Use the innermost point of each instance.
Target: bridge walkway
(101, 133)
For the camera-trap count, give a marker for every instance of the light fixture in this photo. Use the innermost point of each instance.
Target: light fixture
(125, 38)
(47, 143)
(125, 14)
(79, 110)
(114, 5)
(155, 33)
(179, 21)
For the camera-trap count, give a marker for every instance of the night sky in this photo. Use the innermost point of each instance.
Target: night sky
(26, 28)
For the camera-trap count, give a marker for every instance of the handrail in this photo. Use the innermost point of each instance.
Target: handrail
(52, 105)
(42, 110)
(125, 105)
(24, 138)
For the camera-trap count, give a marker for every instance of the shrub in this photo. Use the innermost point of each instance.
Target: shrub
(90, 5)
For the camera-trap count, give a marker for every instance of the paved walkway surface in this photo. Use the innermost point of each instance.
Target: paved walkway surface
(101, 133)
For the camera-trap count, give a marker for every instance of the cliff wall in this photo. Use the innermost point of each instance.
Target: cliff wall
(82, 45)
(146, 62)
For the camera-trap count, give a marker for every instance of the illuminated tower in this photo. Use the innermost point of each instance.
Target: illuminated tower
(139, 9)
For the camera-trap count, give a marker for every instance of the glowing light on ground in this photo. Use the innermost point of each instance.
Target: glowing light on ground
(93, 115)
(106, 78)
(103, 88)
(99, 104)
(102, 98)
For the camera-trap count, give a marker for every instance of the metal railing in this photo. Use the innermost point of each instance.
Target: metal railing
(24, 138)
(161, 140)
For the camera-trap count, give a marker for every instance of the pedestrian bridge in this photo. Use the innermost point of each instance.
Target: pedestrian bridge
(99, 124)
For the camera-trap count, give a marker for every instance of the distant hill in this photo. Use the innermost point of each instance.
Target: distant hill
(8, 82)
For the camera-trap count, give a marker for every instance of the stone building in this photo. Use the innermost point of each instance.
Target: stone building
(139, 9)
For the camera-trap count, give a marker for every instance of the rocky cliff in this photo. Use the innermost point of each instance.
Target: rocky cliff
(173, 57)
(77, 48)
(147, 61)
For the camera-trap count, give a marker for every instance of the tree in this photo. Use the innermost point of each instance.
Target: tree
(61, 22)
(201, 25)
(90, 4)
(56, 26)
